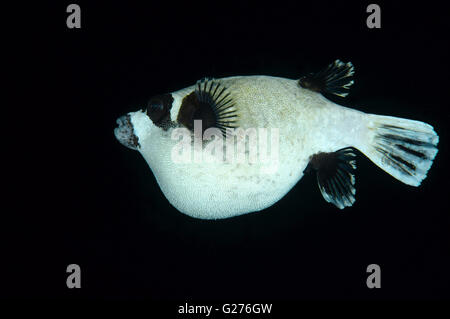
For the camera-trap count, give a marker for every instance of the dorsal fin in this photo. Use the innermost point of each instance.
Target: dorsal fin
(334, 79)
(335, 176)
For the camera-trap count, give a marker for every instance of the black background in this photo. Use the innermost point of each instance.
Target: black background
(90, 201)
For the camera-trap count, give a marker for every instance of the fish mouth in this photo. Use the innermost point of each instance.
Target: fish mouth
(125, 133)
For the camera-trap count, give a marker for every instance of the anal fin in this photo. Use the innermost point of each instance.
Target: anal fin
(335, 176)
(334, 79)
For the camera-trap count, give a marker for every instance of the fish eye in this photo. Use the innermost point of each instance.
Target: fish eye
(155, 105)
(158, 109)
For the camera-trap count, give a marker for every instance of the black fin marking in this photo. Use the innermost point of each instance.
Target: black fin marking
(211, 102)
(334, 79)
(335, 176)
(405, 152)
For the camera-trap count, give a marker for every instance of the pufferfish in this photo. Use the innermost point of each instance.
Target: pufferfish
(312, 134)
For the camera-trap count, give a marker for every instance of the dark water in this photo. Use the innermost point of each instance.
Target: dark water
(105, 212)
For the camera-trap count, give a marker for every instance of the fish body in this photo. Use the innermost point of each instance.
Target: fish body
(303, 129)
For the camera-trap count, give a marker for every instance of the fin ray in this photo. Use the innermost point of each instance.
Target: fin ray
(335, 176)
(335, 79)
(210, 102)
(403, 148)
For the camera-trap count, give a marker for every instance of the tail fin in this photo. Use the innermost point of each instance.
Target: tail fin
(403, 148)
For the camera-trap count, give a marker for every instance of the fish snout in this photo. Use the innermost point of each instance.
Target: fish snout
(125, 132)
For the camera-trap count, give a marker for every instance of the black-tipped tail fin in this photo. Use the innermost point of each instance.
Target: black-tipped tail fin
(403, 148)
(335, 176)
(336, 79)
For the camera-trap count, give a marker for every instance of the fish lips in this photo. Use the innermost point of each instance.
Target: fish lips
(125, 133)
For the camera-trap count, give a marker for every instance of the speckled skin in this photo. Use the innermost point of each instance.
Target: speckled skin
(308, 123)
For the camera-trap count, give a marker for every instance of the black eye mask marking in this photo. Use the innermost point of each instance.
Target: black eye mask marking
(158, 110)
(211, 103)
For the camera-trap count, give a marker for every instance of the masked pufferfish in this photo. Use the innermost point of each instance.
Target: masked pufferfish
(313, 133)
